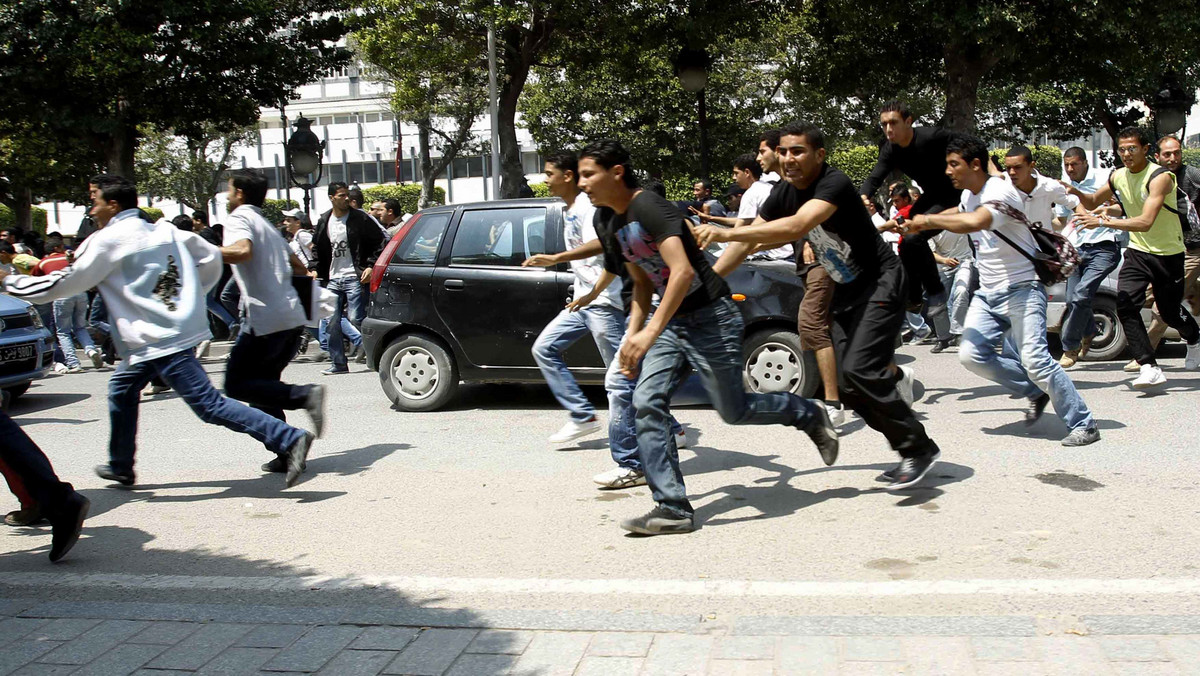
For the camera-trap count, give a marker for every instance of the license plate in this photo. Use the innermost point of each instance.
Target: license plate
(17, 352)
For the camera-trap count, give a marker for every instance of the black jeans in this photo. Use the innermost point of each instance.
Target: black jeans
(28, 466)
(917, 257)
(864, 338)
(255, 366)
(1165, 274)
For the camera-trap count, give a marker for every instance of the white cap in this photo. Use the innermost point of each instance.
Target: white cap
(294, 213)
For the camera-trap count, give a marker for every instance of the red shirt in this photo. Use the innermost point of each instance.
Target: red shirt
(51, 263)
(904, 211)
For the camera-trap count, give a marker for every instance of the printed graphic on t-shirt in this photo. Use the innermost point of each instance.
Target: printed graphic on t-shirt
(168, 286)
(834, 254)
(639, 247)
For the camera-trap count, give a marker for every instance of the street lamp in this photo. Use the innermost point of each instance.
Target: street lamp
(303, 153)
(1171, 106)
(691, 67)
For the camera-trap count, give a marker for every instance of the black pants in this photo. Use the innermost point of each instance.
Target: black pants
(29, 467)
(1165, 274)
(255, 367)
(864, 338)
(917, 257)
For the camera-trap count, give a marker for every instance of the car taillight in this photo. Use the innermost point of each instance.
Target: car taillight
(388, 251)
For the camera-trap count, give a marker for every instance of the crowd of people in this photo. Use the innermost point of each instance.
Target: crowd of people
(951, 255)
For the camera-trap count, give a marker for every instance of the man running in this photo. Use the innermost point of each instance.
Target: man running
(1009, 309)
(819, 204)
(1155, 255)
(696, 324)
(153, 278)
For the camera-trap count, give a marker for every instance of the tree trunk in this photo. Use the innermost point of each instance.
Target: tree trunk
(119, 148)
(965, 67)
(512, 171)
(22, 207)
(427, 175)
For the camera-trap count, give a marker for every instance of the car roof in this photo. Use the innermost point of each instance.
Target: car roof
(494, 204)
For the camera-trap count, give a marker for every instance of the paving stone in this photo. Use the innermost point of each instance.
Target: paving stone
(384, 638)
(19, 653)
(16, 628)
(745, 648)
(620, 644)
(871, 668)
(741, 668)
(553, 653)
(272, 636)
(358, 662)
(314, 649)
(94, 642)
(166, 633)
(432, 652)
(500, 642)
(36, 669)
(1185, 650)
(610, 666)
(1145, 669)
(480, 664)
(121, 660)
(198, 649)
(1132, 648)
(678, 654)
(61, 630)
(1009, 669)
(806, 655)
(1004, 648)
(1070, 655)
(872, 649)
(238, 661)
(938, 655)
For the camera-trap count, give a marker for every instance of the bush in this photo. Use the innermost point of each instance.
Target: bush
(154, 213)
(855, 161)
(273, 210)
(8, 219)
(1191, 157)
(679, 188)
(409, 195)
(1047, 159)
(540, 190)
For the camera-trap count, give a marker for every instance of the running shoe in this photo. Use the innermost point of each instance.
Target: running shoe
(1082, 436)
(621, 477)
(1150, 376)
(1035, 409)
(912, 471)
(575, 430)
(659, 521)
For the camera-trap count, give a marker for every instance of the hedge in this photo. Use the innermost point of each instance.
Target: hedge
(540, 190)
(855, 161)
(8, 219)
(154, 213)
(409, 195)
(273, 210)
(1191, 157)
(1047, 159)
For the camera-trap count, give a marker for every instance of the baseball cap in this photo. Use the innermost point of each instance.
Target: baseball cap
(294, 213)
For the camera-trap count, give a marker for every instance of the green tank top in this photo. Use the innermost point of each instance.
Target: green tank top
(1165, 237)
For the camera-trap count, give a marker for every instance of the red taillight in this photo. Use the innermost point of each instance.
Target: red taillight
(388, 251)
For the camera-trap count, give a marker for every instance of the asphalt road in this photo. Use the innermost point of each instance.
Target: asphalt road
(471, 508)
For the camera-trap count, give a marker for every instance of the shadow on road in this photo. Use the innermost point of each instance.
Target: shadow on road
(36, 401)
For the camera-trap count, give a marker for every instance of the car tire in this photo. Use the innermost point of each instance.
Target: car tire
(17, 390)
(418, 374)
(773, 361)
(1110, 341)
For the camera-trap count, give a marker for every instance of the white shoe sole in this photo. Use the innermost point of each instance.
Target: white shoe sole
(617, 485)
(578, 434)
(1148, 385)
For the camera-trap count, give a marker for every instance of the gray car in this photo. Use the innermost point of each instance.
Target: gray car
(26, 346)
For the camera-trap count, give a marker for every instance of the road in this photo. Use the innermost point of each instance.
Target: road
(470, 509)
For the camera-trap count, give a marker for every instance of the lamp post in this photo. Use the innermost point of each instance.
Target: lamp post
(1171, 106)
(303, 155)
(691, 67)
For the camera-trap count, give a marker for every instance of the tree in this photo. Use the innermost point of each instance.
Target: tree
(102, 69)
(37, 163)
(189, 170)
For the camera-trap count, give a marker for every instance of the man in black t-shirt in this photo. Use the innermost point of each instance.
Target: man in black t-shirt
(820, 204)
(696, 324)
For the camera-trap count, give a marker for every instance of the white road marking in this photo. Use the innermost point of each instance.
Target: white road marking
(714, 588)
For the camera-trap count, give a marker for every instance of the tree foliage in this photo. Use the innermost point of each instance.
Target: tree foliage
(190, 170)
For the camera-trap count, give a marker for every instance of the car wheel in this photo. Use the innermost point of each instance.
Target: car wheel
(1109, 342)
(773, 361)
(17, 390)
(417, 374)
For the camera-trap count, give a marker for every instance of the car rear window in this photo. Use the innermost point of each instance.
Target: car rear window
(420, 245)
(499, 236)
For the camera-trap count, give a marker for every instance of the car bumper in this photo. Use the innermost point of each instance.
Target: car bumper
(43, 356)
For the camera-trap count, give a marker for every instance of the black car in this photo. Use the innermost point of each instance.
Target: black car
(451, 303)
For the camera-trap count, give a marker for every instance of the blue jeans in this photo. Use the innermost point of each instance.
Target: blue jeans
(349, 292)
(70, 322)
(182, 371)
(606, 324)
(959, 281)
(1096, 261)
(710, 341)
(98, 316)
(348, 331)
(1016, 319)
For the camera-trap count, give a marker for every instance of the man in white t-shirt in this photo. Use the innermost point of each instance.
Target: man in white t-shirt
(748, 175)
(1009, 309)
(263, 266)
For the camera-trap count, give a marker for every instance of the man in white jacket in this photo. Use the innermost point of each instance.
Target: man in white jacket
(153, 278)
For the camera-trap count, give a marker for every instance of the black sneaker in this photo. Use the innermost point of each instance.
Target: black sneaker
(1037, 406)
(659, 521)
(335, 371)
(823, 434)
(314, 404)
(942, 346)
(889, 474)
(124, 478)
(279, 465)
(28, 516)
(911, 471)
(66, 525)
(296, 457)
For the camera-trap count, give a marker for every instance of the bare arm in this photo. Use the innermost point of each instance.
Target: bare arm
(962, 223)
(606, 278)
(1090, 200)
(780, 231)
(298, 267)
(1160, 188)
(585, 250)
(637, 344)
(238, 252)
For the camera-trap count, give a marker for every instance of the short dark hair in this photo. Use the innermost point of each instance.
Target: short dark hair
(100, 179)
(6, 248)
(608, 154)
(335, 186)
(900, 191)
(252, 183)
(655, 187)
(200, 216)
(1075, 151)
(705, 183)
(969, 148)
(356, 195)
(811, 132)
(183, 222)
(54, 241)
(770, 137)
(564, 162)
(117, 189)
(748, 162)
(394, 206)
(896, 106)
(1135, 132)
(1022, 152)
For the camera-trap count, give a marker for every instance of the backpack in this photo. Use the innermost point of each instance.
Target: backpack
(1189, 220)
(1056, 258)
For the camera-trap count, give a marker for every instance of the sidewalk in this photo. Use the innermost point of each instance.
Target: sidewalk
(108, 638)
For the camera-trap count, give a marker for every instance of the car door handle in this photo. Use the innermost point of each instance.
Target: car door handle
(454, 284)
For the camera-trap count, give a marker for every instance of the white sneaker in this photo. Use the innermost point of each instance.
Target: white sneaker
(1192, 361)
(681, 440)
(152, 390)
(573, 430)
(97, 358)
(905, 386)
(620, 477)
(60, 367)
(1150, 376)
(202, 349)
(837, 414)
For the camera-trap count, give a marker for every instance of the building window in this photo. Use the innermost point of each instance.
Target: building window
(325, 120)
(343, 119)
(531, 163)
